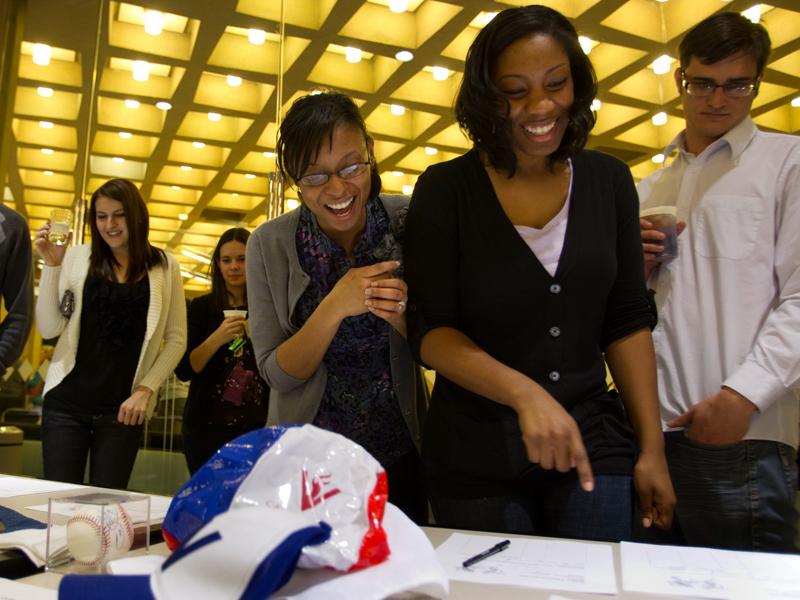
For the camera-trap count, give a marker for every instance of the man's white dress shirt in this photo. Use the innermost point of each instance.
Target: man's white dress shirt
(729, 305)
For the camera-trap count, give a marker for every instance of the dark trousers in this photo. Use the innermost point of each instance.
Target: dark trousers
(558, 507)
(406, 490)
(736, 496)
(69, 439)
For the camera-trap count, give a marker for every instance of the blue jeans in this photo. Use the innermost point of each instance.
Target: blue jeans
(736, 496)
(68, 439)
(558, 507)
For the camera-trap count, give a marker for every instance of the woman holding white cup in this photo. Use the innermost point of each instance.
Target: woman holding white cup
(111, 358)
(227, 397)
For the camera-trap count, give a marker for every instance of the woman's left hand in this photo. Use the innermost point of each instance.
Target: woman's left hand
(134, 410)
(387, 298)
(654, 488)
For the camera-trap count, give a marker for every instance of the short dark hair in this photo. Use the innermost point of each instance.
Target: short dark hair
(310, 122)
(219, 294)
(723, 35)
(142, 256)
(477, 105)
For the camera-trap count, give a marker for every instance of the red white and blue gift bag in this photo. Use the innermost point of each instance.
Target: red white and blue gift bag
(300, 469)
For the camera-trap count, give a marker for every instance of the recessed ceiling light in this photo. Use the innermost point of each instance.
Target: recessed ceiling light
(398, 173)
(196, 256)
(398, 6)
(46, 124)
(796, 102)
(430, 150)
(212, 116)
(41, 54)
(163, 105)
(48, 173)
(186, 168)
(586, 43)
(440, 73)
(408, 190)
(233, 80)
(257, 36)
(269, 154)
(183, 217)
(153, 22)
(292, 203)
(235, 194)
(658, 159)
(753, 14)
(660, 118)
(199, 144)
(47, 150)
(175, 187)
(316, 92)
(141, 70)
(118, 159)
(125, 135)
(352, 55)
(596, 105)
(131, 103)
(44, 92)
(249, 176)
(404, 56)
(397, 109)
(662, 65)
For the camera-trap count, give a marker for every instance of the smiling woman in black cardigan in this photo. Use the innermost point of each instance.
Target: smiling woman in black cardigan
(524, 267)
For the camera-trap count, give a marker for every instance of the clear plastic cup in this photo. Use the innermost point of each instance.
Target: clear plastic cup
(664, 219)
(60, 222)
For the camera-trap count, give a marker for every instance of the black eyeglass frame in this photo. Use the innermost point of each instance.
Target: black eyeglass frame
(327, 175)
(711, 86)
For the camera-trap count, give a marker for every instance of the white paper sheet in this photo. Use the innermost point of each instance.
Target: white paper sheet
(709, 573)
(11, 590)
(22, 486)
(543, 564)
(158, 509)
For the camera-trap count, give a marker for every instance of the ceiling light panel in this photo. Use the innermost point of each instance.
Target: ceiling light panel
(196, 125)
(137, 146)
(112, 113)
(61, 105)
(184, 152)
(250, 97)
(27, 131)
(176, 39)
(33, 158)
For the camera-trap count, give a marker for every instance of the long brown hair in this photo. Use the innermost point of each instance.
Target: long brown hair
(142, 256)
(219, 293)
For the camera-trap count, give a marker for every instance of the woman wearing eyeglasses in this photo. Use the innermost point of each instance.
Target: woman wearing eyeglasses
(327, 303)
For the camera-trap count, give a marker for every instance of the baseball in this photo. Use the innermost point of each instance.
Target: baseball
(97, 534)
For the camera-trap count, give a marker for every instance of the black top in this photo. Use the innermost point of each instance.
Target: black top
(113, 324)
(468, 268)
(206, 405)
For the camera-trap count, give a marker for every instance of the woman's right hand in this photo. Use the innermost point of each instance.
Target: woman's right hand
(348, 296)
(552, 438)
(52, 254)
(230, 329)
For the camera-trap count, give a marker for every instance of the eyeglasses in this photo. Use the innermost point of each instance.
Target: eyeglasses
(347, 172)
(701, 88)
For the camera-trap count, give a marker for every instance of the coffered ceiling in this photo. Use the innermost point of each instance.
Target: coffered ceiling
(190, 113)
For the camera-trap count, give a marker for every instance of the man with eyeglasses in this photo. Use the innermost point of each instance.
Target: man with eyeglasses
(728, 338)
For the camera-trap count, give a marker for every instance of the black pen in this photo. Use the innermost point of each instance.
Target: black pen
(499, 547)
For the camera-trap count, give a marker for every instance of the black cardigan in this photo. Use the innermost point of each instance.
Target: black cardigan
(468, 268)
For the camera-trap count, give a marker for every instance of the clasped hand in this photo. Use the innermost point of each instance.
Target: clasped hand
(372, 289)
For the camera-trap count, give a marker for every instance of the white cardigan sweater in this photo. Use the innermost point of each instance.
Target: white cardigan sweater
(165, 333)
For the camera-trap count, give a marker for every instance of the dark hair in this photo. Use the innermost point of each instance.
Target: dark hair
(219, 293)
(311, 122)
(142, 256)
(723, 35)
(479, 103)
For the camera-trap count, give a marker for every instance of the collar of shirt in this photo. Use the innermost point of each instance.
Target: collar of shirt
(737, 139)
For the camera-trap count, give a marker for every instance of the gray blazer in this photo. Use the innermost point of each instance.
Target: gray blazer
(275, 282)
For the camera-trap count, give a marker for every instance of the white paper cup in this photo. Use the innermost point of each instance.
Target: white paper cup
(234, 312)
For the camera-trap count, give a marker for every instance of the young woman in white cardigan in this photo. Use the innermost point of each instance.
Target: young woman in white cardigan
(118, 309)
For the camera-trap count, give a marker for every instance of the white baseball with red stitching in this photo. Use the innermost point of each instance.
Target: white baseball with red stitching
(99, 533)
